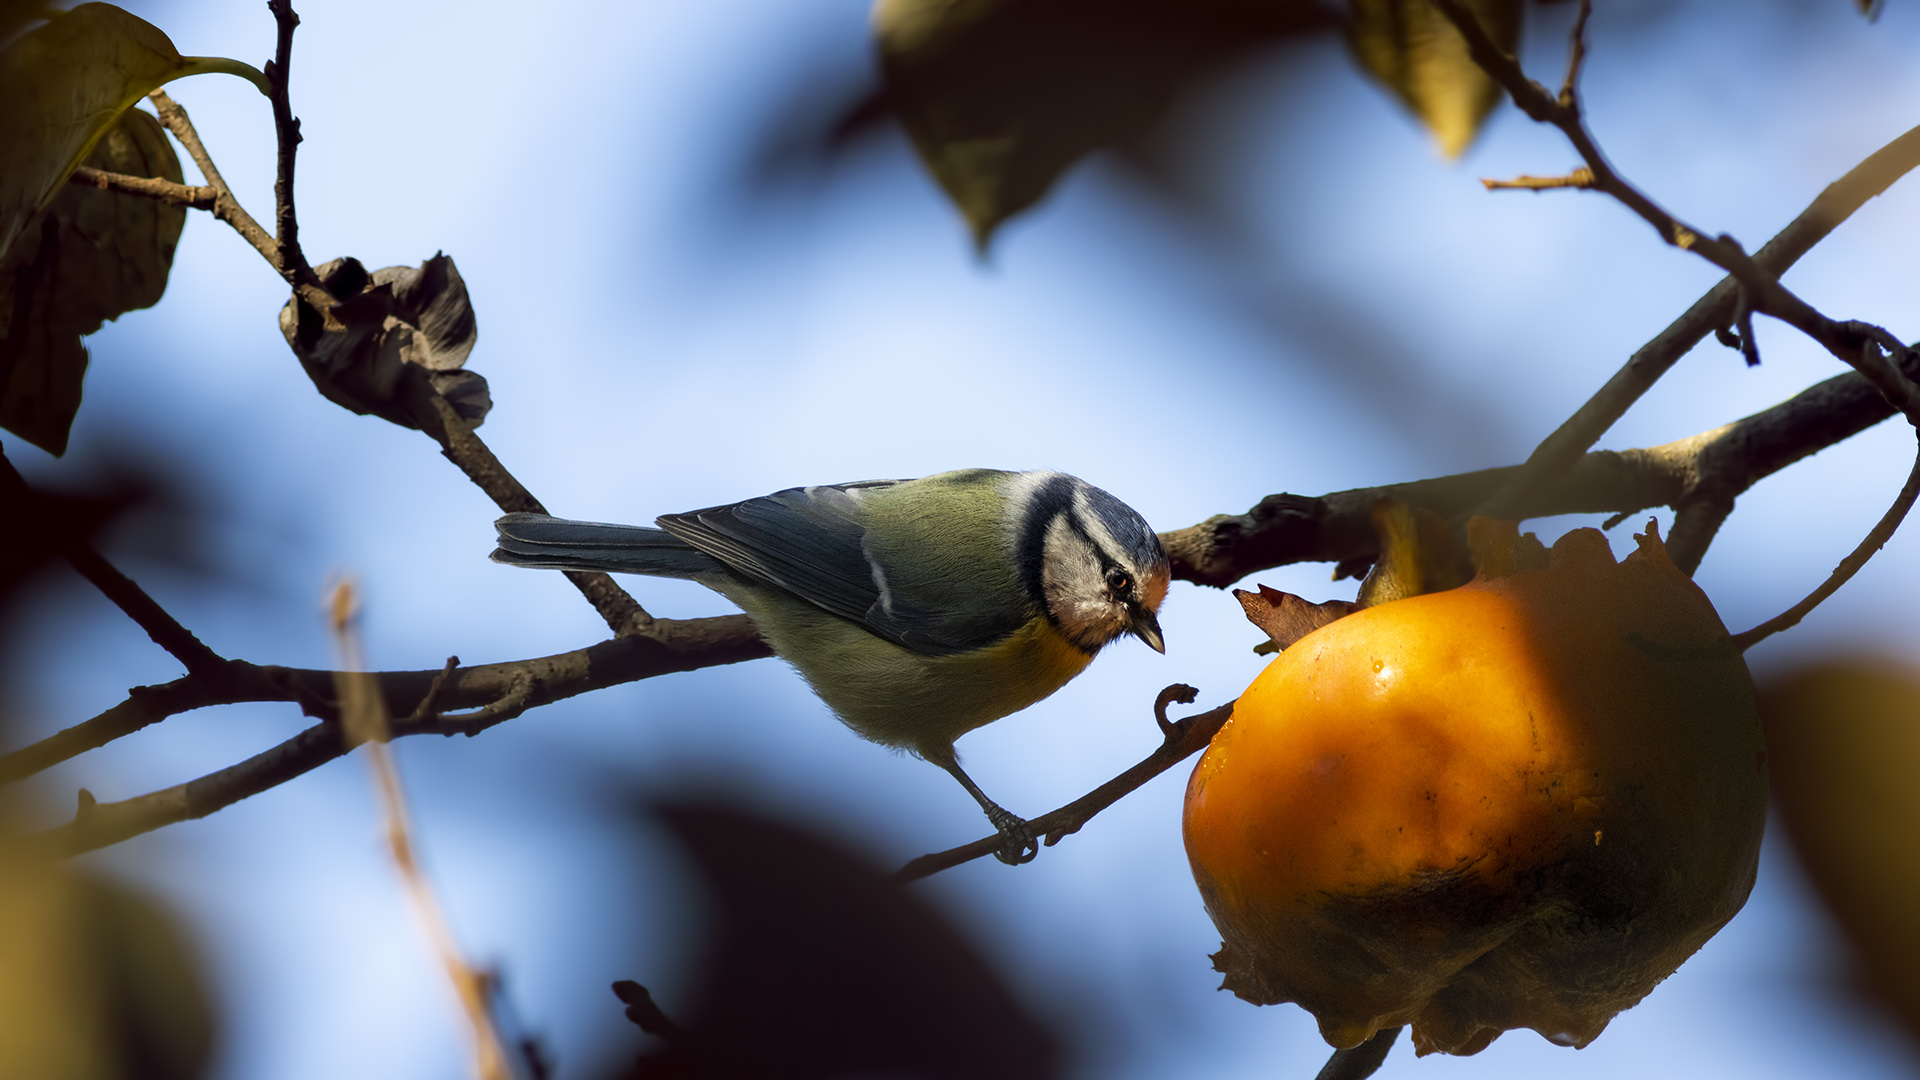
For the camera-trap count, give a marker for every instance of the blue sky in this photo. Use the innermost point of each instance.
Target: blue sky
(659, 338)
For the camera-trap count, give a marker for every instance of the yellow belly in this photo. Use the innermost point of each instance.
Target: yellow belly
(898, 697)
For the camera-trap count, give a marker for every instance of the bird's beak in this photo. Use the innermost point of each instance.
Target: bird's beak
(1146, 627)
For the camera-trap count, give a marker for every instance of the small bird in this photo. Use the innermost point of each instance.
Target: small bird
(918, 610)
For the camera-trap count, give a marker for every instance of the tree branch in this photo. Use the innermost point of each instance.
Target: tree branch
(1870, 350)
(227, 208)
(193, 197)
(672, 646)
(1834, 205)
(1716, 465)
(293, 261)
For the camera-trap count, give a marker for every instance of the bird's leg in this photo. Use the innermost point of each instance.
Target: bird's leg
(1017, 842)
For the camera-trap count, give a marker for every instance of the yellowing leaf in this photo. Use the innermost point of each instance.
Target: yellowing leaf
(1411, 47)
(64, 84)
(1001, 97)
(1843, 748)
(92, 255)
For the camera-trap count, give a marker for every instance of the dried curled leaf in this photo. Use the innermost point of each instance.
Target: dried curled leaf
(90, 256)
(64, 84)
(1002, 96)
(1411, 48)
(1287, 618)
(395, 316)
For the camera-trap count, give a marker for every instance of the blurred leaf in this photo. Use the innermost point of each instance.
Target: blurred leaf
(91, 256)
(1843, 744)
(1002, 96)
(395, 316)
(97, 983)
(64, 84)
(1412, 48)
(15, 14)
(817, 966)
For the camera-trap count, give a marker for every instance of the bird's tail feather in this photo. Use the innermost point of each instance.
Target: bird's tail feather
(550, 543)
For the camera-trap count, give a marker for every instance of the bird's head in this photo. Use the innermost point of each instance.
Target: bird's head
(1093, 562)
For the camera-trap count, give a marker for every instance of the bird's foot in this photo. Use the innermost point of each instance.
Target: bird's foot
(1018, 844)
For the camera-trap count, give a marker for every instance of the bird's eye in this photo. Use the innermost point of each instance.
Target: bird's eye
(1118, 581)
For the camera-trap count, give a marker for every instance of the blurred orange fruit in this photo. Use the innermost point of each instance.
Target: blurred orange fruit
(1518, 803)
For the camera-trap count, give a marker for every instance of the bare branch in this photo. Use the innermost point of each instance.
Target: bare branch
(1719, 465)
(1576, 55)
(193, 197)
(1182, 740)
(673, 645)
(1834, 205)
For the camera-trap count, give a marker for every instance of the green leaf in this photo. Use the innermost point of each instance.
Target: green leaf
(1001, 97)
(63, 86)
(92, 255)
(1411, 47)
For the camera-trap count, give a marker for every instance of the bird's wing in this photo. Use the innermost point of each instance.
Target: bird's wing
(811, 542)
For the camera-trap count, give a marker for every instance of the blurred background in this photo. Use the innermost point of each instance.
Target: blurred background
(689, 292)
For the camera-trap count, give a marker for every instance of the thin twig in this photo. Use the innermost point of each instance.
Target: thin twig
(1578, 178)
(191, 196)
(1183, 739)
(1870, 350)
(1883, 531)
(365, 720)
(227, 208)
(1576, 55)
(1573, 438)
(286, 126)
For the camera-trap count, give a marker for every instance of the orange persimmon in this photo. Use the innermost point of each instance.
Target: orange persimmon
(1522, 802)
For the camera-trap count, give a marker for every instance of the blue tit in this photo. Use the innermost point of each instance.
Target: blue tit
(918, 610)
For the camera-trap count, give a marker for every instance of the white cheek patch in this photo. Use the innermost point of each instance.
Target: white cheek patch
(1074, 582)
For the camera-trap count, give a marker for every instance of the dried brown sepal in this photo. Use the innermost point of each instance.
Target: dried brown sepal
(1287, 618)
(389, 318)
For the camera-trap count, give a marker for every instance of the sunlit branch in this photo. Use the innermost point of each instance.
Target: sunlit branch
(1716, 465)
(1873, 352)
(190, 196)
(1715, 310)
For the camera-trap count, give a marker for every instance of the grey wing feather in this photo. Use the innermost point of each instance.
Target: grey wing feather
(804, 540)
(550, 543)
(809, 541)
